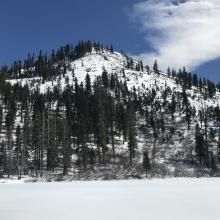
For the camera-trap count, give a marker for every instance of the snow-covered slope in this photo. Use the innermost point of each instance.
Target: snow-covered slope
(171, 150)
(95, 63)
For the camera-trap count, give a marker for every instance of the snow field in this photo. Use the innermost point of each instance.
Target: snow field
(168, 199)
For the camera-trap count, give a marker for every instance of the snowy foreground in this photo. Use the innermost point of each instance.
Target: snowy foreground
(172, 199)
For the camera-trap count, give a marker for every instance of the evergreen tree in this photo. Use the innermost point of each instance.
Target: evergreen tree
(19, 151)
(132, 133)
(168, 71)
(146, 163)
(155, 67)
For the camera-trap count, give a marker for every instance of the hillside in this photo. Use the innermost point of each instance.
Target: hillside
(95, 63)
(91, 113)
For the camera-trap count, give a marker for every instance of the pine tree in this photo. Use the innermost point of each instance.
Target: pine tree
(168, 71)
(146, 163)
(199, 145)
(132, 133)
(19, 151)
(111, 49)
(66, 147)
(9, 121)
(218, 147)
(88, 84)
(154, 127)
(155, 67)
(112, 123)
(173, 106)
(188, 117)
(206, 150)
(105, 80)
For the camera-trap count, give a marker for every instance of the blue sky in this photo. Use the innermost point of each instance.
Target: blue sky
(31, 25)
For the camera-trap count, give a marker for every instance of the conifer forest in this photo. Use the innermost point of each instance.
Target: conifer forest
(88, 112)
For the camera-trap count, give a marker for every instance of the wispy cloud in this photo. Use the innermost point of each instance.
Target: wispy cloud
(181, 32)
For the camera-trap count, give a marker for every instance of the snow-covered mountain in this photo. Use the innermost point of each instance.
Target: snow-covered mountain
(94, 64)
(167, 113)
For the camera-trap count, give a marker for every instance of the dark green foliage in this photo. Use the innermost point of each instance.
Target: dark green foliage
(155, 67)
(132, 132)
(146, 163)
(201, 147)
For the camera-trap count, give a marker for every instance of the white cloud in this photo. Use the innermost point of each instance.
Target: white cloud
(186, 33)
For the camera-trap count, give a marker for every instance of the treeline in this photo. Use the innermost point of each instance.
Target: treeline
(53, 64)
(58, 62)
(186, 79)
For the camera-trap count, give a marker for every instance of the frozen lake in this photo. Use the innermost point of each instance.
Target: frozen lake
(172, 199)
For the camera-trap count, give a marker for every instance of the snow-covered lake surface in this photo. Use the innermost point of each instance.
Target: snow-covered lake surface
(171, 199)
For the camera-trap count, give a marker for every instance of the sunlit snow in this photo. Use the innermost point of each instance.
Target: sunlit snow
(171, 199)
